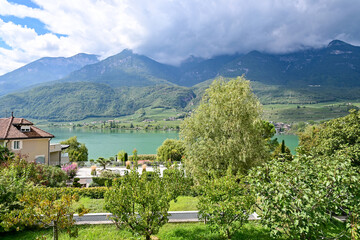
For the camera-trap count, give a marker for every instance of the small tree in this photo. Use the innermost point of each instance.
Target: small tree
(46, 208)
(171, 149)
(5, 154)
(77, 151)
(103, 162)
(121, 156)
(225, 204)
(298, 198)
(139, 203)
(282, 152)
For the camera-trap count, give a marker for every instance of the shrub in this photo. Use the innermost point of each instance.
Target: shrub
(109, 174)
(91, 192)
(101, 181)
(171, 149)
(93, 170)
(128, 164)
(225, 203)
(70, 169)
(144, 157)
(38, 174)
(139, 204)
(299, 198)
(76, 182)
(144, 168)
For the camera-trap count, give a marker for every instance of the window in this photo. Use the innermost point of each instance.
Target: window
(25, 128)
(40, 159)
(16, 145)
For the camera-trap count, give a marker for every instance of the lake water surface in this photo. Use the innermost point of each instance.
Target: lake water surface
(107, 143)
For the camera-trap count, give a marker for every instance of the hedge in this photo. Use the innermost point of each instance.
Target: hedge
(144, 157)
(101, 181)
(91, 192)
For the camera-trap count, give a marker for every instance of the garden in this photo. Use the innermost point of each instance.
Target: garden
(230, 167)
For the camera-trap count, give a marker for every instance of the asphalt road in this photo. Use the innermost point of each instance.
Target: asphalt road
(103, 218)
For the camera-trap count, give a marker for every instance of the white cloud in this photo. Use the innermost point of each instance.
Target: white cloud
(170, 30)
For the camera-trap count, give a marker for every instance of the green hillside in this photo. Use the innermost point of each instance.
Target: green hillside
(80, 100)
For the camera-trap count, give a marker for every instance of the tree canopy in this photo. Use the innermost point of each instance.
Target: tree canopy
(337, 136)
(77, 151)
(225, 130)
(171, 149)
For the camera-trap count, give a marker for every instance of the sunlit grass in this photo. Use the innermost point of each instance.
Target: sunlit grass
(183, 203)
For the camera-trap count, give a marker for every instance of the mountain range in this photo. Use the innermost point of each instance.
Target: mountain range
(43, 70)
(82, 86)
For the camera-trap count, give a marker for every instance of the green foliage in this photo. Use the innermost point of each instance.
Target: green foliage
(37, 174)
(44, 208)
(225, 204)
(90, 192)
(268, 131)
(5, 154)
(106, 178)
(224, 131)
(298, 198)
(103, 162)
(78, 100)
(77, 151)
(121, 156)
(337, 136)
(135, 156)
(138, 203)
(171, 149)
(150, 157)
(12, 184)
(177, 182)
(282, 152)
(76, 182)
(101, 182)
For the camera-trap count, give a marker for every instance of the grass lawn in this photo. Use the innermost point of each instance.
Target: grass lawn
(185, 231)
(184, 203)
(170, 231)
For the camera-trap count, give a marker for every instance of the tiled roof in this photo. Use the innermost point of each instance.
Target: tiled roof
(10, 129)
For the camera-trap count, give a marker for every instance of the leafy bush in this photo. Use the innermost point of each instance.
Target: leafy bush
(109, 174)
(77, 151)
(93, 170)
(5, 154)
(91, 192)
(11, 185)
(225, 203)
(70, 169)
(171, 149)
(101, 181)
(139, 204)
(144, 157)
(38, 174)
(298, 198)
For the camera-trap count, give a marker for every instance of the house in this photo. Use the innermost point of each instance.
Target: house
(21, 137)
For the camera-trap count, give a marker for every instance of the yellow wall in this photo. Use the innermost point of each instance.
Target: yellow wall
(31, 148)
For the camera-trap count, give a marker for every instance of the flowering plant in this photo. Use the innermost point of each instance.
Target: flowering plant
(70, 169)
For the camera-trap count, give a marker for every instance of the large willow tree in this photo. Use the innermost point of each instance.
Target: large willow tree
(225, 130)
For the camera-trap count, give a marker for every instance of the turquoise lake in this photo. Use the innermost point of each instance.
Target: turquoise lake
(107, 143)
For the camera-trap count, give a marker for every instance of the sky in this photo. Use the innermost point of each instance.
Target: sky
(169, 31)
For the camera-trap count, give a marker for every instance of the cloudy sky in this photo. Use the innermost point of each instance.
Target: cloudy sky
(169, 30)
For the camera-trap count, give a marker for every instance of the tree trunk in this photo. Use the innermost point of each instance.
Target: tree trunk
(55, 231)
(228, 234)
